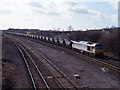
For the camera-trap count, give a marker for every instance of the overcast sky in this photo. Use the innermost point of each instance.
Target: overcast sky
(50, 14)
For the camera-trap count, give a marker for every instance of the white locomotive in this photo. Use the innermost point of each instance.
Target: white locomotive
(89, 48)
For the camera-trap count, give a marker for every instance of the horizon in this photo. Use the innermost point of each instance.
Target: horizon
(62, 30)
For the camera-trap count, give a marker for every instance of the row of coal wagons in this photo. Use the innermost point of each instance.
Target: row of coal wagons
(58, 41)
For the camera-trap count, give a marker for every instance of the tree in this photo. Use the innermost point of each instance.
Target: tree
(70, 28)
(58, 29)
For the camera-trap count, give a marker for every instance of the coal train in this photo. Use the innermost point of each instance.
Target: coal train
(85, 47)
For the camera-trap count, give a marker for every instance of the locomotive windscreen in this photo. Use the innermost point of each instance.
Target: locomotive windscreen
(98, 46)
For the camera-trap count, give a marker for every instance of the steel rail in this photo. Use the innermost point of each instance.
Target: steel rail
(28, 68)
(54, 68)
(115, 67)
(100, 60)
(46, 84)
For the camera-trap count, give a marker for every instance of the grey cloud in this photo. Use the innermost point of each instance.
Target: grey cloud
(3, 11)
(72, 3)
(36, 5)
(80, 11)
(52, 13)
(42, 9)
(38, 11)
(77, 7)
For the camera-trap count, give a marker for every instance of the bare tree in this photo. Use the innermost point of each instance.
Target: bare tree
(70, 28)
(58, 29)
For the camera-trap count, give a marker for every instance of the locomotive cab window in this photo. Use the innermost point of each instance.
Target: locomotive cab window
(91, 48)
(88, 48)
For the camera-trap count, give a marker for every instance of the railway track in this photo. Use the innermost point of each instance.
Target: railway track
(47, 77)
(35, 74)
(104, 63)
(108, 64)
(112, 64)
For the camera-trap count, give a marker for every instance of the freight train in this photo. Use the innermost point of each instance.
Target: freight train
(85, 47)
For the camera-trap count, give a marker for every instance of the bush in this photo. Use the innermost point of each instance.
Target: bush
(111, 42)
